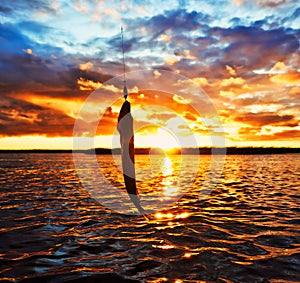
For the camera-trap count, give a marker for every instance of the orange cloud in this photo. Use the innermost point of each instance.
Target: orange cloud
(80, 7)
(86, 66)
(201, 81)
(261, 119)
(28, 51)
(180, 99)
(254, 134)
(156, 74)
(227, 93)
(67, 106)
(165, 37)
(189, 56)
(29, 119)
(279, 67)
(291, 78)
(231, 71)
(85, 84)
(189, 116)
(171, 60)
(107, 124)
(294, 91)
(232, 81)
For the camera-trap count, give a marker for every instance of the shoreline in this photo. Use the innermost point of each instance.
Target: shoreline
(191, 151)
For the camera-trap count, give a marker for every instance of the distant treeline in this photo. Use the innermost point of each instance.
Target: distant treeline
(201, 150)
(207, 151)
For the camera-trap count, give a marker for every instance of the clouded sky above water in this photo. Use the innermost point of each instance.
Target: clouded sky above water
(243, 54)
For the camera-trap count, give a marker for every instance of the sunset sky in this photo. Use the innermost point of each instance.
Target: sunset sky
(243, 54)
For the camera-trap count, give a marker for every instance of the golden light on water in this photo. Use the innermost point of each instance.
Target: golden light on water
(168, 179)
(170, 216)
(159, 280)
(164, 247)
(171, 191)
(167, 166)
(183, 215)
(160, 215)
(187, 255)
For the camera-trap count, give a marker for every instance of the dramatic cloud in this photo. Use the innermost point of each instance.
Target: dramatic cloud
(20, 118)
(54, 54)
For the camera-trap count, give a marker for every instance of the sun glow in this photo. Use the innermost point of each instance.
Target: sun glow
(162, 139)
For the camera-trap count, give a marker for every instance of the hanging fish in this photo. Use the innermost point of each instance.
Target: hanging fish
(125, 128)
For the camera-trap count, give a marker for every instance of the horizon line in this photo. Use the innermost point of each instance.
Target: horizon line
(188, 150)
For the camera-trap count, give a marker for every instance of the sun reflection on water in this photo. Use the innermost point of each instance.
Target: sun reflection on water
(168, 179)
(167, 166)
(171, 216)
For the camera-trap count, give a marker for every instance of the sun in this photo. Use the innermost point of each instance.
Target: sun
(166, 140)
(161, 138)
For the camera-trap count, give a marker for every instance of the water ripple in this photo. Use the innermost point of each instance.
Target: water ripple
(245, 230)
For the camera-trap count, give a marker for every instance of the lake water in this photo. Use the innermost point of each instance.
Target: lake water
(243, 227)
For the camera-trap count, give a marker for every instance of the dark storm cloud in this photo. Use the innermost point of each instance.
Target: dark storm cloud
(176, 21)
(14, 45)
(28, 73)
(19, 118)
(254, 47)
(128, 44)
